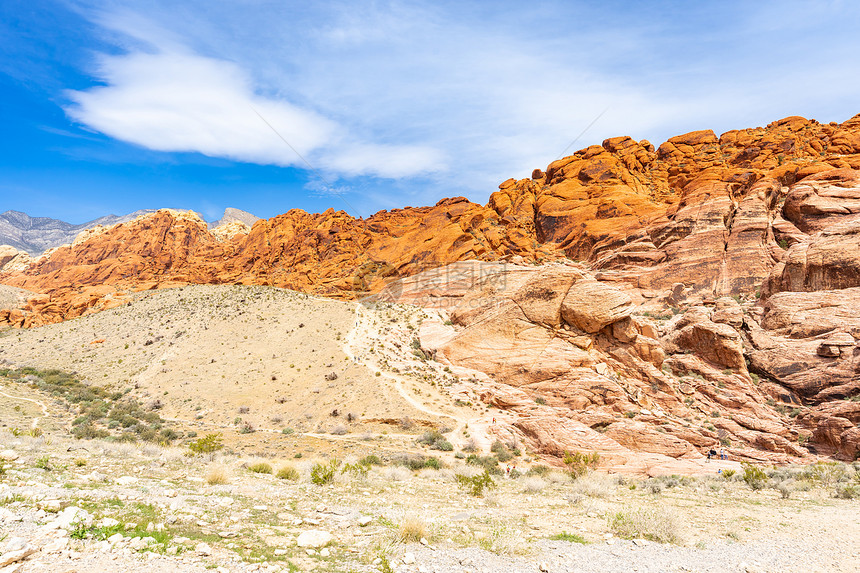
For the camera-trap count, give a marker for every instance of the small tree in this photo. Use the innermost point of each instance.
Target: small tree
(207, 444)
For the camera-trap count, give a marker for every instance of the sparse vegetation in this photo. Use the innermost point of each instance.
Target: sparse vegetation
(476, 485)
(653, 524)
(261, 468)
(322, 474)
(754, 476)
(579, 463)
(288, 473)
(207, 444)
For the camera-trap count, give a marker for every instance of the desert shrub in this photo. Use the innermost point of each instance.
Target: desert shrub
(538, 470)
(322, 474)
(784, 490)
(533, 484)
(489, 463)
(261, 468)
(578, 463)
(471, 446)
(436, 441)
(475, 485)
(654, 524)
(357, 469)
(728, 474)
(570, 537)
(339, 430)
(502, 452)
(847, 491)
(417, 462)
(370, 460)
(826, 473)
(207, 444)
(412, 530)
(754, 476)
(288, 473)
(217, 475)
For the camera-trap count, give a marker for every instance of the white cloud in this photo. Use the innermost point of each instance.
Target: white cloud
(185, 102)
(452, 97)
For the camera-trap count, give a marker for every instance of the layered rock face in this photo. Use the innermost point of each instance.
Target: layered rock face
(584, 368)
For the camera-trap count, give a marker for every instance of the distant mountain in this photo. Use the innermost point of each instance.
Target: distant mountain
(36, 234)
(232, 215)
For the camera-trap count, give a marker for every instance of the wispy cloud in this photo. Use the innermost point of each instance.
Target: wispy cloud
(450, 97)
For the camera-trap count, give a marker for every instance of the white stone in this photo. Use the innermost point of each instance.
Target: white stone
(324, 552)
(115, 538)
(543, 567)
(203, 549)
(314, 538)
(364, 520)
(170, 493)
(126, 480)
(55, 545)
(408, 558)
(9, 455)
(108, 522)
(71, 516)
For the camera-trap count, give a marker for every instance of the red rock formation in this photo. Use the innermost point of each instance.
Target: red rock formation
(665, 231)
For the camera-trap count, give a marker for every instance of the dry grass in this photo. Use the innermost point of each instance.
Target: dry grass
(651, 523)
(594, 484)
(412, 530)
(533, 484)
(288, 472)
(217, 475)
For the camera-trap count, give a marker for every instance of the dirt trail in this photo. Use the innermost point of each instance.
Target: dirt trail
(477, 425)
(35, 423)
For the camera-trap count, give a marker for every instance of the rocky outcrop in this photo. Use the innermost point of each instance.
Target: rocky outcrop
(638, 390)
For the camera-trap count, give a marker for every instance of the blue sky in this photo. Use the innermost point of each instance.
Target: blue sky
(108, 106)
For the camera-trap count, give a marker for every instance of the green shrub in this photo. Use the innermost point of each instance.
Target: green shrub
(261, 468)
(571, 537)
(477, 484)
(489, 463)
(538, 470)
(728, 474)
(578, 463)
(207, 444)
(826, 473)
(357, 469)
(754, 476)
(847, 491)
(370, 460)
(502, 452)
(322, 474)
